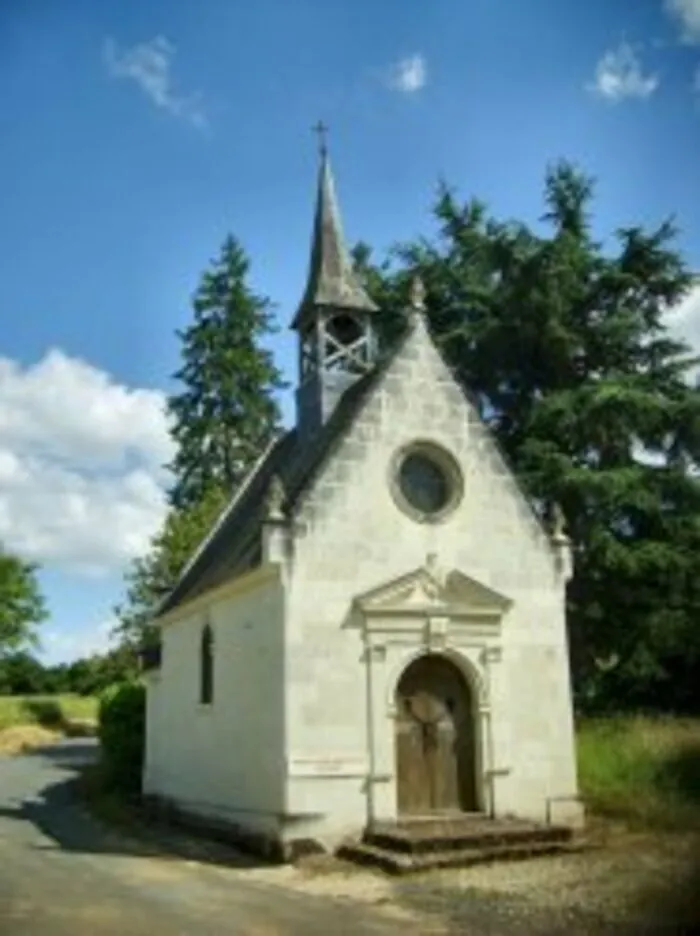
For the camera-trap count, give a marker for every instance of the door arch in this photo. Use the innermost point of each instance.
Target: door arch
(436, 753)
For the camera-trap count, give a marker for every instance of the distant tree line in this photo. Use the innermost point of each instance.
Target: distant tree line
(21, 673)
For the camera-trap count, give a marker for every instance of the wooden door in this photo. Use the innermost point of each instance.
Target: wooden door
(435, 748)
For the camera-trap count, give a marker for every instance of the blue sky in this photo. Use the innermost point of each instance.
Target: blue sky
(136, 134)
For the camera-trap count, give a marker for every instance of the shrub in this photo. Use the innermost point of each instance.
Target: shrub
(121, 730)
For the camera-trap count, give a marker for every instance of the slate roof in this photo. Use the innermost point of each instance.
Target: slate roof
(332, 281)
(235, 543)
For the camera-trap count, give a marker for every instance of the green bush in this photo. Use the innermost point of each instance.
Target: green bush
(122, 730)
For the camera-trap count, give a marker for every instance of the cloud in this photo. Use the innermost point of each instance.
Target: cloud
(684, 319)
(149, 65)
(63, 645)
(687, 14)
(619, 75)
(409, 74)
(81, 464)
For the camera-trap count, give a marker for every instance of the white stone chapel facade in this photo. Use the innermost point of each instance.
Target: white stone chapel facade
(375, 628)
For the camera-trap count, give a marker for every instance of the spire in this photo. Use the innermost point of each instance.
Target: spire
(332, 281)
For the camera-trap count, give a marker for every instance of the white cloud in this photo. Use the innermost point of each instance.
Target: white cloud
(687, 13)
(81, 464)
(409, 74)
(149, 65)
(63, 645)
(619, 75)
(684, 319)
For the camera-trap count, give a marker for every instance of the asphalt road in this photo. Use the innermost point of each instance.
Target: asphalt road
(62, 873)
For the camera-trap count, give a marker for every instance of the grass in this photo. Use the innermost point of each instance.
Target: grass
(642, 771)
(49, 711)
(27, 722)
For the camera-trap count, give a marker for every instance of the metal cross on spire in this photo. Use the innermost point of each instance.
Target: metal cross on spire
(322, 130)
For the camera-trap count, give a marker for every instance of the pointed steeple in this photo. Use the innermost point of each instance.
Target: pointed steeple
(332, 282)
(337, 344)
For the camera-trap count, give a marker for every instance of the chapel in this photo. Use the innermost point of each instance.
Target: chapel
(374, 631)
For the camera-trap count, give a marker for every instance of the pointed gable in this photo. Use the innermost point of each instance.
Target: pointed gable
(234, 544)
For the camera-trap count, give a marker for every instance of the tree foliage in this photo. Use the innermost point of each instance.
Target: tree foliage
(563, 344)
(225, 412)
(22, 673)
(22, 605)
(153, 575)
(223, 415)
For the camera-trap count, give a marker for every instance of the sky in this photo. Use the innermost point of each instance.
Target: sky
(135, 134)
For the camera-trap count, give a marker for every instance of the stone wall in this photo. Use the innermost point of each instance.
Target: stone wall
(222, 761)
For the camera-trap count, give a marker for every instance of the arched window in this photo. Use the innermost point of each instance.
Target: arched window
(206, 662)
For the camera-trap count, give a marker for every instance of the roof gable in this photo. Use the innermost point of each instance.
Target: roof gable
(296, 464)
(234, 542)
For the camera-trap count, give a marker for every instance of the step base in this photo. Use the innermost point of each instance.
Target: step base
(417, 845)
(441, 835)
(396, 862)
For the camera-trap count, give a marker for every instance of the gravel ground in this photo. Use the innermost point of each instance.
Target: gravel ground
(628, 884)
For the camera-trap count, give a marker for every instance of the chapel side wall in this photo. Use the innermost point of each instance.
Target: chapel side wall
(223, 761)
(356, 539)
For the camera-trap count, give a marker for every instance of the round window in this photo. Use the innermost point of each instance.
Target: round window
(427, 481)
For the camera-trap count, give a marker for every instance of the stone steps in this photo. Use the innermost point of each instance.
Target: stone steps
(406, 848)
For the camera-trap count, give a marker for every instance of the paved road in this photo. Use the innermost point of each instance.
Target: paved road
(61, 873)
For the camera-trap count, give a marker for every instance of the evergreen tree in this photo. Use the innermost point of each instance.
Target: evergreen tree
(564, 346)
(226, 411)
(151, 576)
(222, 419)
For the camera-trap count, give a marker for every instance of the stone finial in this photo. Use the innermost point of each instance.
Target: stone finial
(274, 502)
(559, 525)
(417, 294)
(561, 544)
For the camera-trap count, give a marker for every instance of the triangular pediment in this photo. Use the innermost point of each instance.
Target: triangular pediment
(422, 590)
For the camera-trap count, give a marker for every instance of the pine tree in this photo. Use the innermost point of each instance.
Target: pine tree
(564, 346)
(221, 421)
(151, 576)
(226, 411)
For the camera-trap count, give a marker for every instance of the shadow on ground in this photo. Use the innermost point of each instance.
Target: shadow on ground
(63, 812)
(74, 754)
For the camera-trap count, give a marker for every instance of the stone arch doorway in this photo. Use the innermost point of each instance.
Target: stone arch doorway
(435, 739)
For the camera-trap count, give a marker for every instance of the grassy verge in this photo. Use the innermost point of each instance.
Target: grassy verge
(644, 772)
(28, 722)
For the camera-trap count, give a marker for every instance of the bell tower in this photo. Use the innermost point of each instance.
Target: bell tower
(337, 344)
